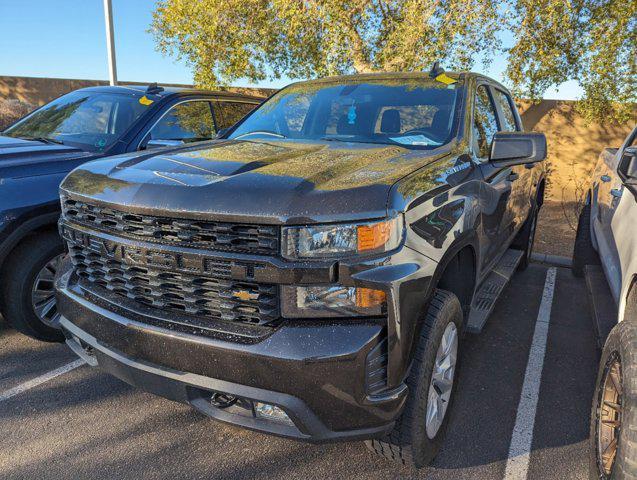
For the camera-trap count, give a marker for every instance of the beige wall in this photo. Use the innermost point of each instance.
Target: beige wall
(38, 91)
(573, 145)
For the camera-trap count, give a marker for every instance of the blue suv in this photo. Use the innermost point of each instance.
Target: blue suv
(38, 151)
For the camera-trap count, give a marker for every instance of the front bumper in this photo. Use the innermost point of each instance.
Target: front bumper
(314, 371)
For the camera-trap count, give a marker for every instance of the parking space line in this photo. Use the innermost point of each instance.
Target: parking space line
(12, 392)
(517, 465)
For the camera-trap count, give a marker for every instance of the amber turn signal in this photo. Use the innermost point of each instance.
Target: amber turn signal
(371, 237)
(366, 297)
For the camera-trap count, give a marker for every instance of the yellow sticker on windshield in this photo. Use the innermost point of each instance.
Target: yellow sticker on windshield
(444, 78)
(145, 101)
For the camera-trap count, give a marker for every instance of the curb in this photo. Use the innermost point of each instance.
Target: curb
(553, 260)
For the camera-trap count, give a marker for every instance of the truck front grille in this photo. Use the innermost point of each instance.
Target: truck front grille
(196, 296)
(231, 237)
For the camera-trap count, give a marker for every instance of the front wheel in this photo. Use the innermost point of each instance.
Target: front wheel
(613, 438)
(420, 430)
(28, 295)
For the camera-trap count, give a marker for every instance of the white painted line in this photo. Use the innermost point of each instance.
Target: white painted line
(12, 392)
(521, 441)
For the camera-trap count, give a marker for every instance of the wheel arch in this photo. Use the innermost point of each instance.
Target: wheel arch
(29, 228)
(540, 192)
(461, 256)
(628, 307)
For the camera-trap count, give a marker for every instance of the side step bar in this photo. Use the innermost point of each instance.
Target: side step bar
(488, 293)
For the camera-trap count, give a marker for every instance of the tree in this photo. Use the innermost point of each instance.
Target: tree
(593, 41)
(229, 39)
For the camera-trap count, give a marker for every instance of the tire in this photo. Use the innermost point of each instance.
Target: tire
(26, 261)
(621, 347)
(525, 238)
(409, 443)
(583, 252)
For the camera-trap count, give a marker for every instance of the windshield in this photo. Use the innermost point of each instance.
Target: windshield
(415, 113)
(90, 120)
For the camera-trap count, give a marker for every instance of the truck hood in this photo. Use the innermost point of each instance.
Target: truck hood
(277, 182)
(17, 154)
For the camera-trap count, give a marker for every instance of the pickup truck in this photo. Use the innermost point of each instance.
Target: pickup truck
(606, 235)
(38, 151)
(311, 273)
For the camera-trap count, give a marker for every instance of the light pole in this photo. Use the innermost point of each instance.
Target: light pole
(110, 42)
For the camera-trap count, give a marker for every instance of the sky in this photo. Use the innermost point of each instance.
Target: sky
(67, 39)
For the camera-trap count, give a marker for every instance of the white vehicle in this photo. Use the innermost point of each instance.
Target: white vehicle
(607, 235)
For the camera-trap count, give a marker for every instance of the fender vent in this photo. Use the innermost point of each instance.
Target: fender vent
(376, 369)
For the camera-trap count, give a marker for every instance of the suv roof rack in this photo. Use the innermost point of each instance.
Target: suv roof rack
(436, 70)
(154, 88)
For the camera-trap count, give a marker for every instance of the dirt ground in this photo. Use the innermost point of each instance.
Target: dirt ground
(554, 235)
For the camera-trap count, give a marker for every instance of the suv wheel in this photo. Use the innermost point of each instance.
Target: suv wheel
(583, 252)
(420, 430)
(29, 299)
(613, 444)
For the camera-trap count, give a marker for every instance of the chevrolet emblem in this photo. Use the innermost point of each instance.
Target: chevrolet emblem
(245, 295)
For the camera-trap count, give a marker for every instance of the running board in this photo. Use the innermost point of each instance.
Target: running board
(488, 293)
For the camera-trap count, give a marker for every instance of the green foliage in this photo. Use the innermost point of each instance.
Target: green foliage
(229, 39)
(592, 41)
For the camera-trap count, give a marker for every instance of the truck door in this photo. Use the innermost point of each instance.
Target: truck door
(496, 196)
(606, 222)
(522, 177)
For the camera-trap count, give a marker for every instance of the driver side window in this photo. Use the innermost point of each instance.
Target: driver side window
(485, 124)
(188, 121)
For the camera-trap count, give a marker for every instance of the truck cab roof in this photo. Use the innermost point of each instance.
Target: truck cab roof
(167, 92)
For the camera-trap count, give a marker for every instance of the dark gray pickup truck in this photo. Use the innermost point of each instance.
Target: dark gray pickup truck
(311, 274)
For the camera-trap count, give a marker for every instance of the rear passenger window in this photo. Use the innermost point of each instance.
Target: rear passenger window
(506, 106)
(485, 124)
(229, 113)
(189, 121)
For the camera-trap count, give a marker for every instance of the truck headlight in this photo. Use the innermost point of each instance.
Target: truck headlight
(318, 301)
(341, 240)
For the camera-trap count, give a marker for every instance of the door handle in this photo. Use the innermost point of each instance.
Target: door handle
(605, 178)
(513, 177)
(616, 192)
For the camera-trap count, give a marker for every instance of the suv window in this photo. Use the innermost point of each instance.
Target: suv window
(506, 107)
(91, 120)
(229, 113)
(485, 124)
(188, 121)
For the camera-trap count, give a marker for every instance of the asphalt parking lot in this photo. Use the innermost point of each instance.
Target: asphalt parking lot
(86, 424)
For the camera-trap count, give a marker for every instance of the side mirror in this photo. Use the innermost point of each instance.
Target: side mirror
(222, 132)
(517, 148)
(158, 143)
(628, 165)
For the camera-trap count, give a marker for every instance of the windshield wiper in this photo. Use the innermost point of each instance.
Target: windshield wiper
(44, 140)
(334, 139)
(260, 132)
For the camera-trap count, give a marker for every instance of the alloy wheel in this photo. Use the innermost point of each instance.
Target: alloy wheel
(43, 294)
(441, 382)
(610, 415)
